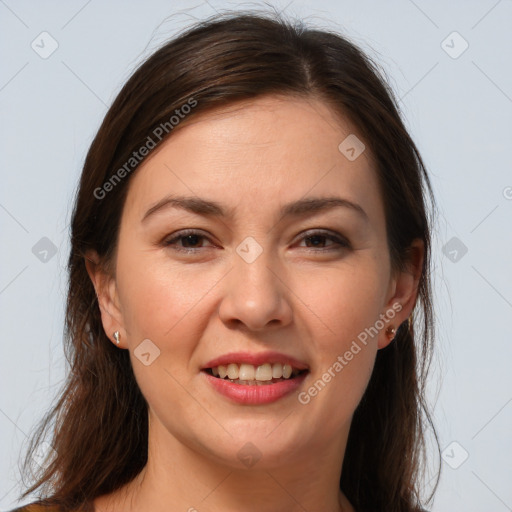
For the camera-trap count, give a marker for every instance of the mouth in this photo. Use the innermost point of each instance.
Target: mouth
(255, 378)
(255, 375)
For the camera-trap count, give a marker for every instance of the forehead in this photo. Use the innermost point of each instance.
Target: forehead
(269, 150)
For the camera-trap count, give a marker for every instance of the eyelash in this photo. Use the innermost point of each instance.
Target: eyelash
(340, 241)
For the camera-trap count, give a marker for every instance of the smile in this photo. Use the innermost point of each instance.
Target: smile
(250, 384)
(255, 378)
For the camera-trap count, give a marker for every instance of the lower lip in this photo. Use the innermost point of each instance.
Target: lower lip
(256, 394)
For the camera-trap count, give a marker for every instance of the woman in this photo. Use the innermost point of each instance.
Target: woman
(250, 240)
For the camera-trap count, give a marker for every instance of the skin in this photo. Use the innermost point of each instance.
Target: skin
(306, 300)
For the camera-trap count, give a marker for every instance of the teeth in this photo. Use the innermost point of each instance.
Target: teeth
(264, 372)
(233, 371)
(246, 372)
(250, 374)
(277, 370)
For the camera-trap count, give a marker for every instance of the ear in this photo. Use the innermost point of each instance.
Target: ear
(403, 291)
(105, 285)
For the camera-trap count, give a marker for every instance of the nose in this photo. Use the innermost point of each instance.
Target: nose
(255, 295)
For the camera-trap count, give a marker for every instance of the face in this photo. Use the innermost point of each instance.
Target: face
(250, 269)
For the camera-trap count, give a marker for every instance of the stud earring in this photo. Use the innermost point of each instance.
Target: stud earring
(117, 336)
(390, 332)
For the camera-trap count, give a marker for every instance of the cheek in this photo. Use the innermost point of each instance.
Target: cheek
(348, 305)
(159, 296)
(346, 300)
(170, 305)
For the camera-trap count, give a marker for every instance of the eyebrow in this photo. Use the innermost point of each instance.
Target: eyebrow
(297, 208)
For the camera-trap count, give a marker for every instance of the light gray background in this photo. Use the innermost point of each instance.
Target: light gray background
(459, 111)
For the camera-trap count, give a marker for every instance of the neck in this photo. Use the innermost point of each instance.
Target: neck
(192, 481)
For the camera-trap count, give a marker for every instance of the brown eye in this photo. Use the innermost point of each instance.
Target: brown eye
(190, 241)
(318, 240)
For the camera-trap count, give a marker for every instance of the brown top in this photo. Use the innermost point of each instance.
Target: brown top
(36, 507)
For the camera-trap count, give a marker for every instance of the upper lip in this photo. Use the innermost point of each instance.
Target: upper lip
(256, 359)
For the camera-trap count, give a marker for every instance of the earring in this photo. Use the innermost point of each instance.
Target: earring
(390, 332)
(117, 336)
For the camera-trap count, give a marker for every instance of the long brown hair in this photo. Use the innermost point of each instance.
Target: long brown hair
(99, 425)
